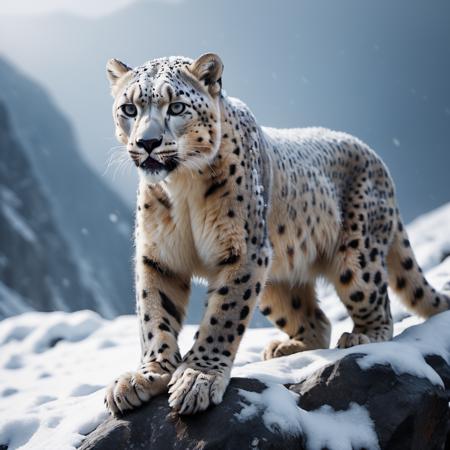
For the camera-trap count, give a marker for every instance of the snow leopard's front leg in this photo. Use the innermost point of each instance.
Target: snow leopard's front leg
(203, 376)
(161, 300)
(162, 295)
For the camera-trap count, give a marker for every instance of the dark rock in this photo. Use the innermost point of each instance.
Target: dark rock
(155, 427)
(408, 412)
(443, 369)
(444, 256)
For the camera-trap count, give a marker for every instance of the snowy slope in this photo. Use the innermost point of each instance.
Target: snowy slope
(54, 366)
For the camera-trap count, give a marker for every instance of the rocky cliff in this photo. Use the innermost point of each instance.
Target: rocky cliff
(36, 261)
(43, 172)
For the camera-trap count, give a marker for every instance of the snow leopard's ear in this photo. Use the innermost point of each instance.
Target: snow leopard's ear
(115, 70)
(208, 68)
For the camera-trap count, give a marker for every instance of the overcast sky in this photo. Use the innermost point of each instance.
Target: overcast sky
(87, 8)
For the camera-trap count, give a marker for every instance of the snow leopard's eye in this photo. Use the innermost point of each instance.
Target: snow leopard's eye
(129, 109)
(177, 108)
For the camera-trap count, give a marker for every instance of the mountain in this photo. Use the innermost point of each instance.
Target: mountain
(37, 268)
(66, 237)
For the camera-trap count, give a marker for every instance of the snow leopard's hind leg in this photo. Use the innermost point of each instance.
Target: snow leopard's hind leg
(358, 267)
(296, 312)
(361, 283)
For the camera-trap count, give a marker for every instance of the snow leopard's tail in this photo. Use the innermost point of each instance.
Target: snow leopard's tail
(407, 280)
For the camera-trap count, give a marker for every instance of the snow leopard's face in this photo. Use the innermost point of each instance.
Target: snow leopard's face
(167, 113)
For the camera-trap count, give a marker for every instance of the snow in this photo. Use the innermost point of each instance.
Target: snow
(280, 411)
(36, 332)
(339, 430)
(54, 366)
(324, 427)
(405, 354)
(113, 218)
(430, 238)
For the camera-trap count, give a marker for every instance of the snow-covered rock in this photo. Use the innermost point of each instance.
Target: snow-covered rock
(378, 396)
(341, 406)
(54, 367)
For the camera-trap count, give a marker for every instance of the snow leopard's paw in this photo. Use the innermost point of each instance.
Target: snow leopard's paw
(276, 348)
(351, 339)
(194, 389)
(132, 389)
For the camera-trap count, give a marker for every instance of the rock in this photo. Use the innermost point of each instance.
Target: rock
(408, 412)
(154, 426)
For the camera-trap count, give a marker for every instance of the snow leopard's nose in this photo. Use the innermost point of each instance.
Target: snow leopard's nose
(149, 144)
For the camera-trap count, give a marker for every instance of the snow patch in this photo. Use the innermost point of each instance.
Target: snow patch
(16, 433)
(85, 389)
(280, 412)
(403, 358)
(322, 428)
(36, 332)
(430, 238)
(339, 430)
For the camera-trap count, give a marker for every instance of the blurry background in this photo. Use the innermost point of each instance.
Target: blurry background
(379, 70)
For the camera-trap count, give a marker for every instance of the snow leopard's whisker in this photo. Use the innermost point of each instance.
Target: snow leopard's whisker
(117, 156)
(120, 165)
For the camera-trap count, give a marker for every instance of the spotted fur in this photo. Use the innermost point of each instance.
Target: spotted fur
(258, 213)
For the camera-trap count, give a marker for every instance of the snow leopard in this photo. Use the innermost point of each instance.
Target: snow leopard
(260, 214)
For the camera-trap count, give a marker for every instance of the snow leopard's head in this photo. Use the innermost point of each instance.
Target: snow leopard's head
(167, 112)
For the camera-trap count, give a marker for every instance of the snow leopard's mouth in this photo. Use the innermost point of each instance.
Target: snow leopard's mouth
(151, 165)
